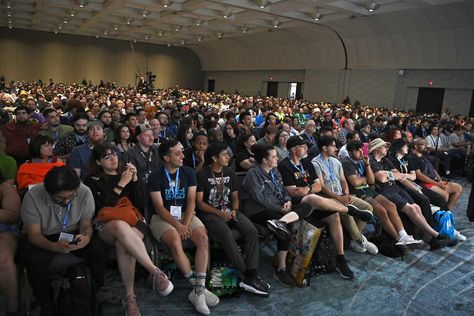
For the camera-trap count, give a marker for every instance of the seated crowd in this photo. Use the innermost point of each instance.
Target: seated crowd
(177, 155)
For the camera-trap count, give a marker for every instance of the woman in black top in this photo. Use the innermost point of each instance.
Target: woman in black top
(109, 181)
(244, 159)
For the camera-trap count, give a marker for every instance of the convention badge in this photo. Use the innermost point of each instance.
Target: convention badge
(66, 237)
(176, 212)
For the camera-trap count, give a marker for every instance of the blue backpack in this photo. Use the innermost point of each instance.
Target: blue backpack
(445, 223)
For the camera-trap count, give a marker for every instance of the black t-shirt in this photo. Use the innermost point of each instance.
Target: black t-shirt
(190, 158)
(352, 168)
(382, 165)
(292, 175)
(158, 181)
(420, 163)
(402, 165)
(241, 156)
(217, 188)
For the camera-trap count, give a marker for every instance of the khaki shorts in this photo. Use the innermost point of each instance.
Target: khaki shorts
(159, 226)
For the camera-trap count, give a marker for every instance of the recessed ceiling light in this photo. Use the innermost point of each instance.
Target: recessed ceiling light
(178, 28)
(262, 3)
(145, 13)
(373, 6)
(83, 3)
(198, 22)
(200, 38)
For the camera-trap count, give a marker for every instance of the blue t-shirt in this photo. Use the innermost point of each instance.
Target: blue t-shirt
(79, 159)
(158, 181)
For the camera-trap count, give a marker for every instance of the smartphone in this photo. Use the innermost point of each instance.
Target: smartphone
(75, 241)
(365, 149)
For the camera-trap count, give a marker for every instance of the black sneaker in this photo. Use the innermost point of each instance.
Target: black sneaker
(284, 278)
(263, 283)
(254, 286)
(344, 271)
(441, 242)
(363, 215)
(279, 229)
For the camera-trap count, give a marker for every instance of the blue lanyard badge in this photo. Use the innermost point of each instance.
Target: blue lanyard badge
(301, 169)
(360, 169)
(330, 167)
(310, 138)
(277, 185)
(194, 160)
(66, 217)
(174, 191)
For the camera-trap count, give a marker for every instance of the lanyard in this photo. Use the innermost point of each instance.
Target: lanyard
(311, 138)
(66, 217)
(330, 167)
(277, 185)
(174, 191)
(194, 160)
(403, 165)
(301, 169)
(147, 160)
(360, 168)
(163, 133)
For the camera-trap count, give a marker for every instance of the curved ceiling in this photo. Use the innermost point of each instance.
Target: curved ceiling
(271, 34)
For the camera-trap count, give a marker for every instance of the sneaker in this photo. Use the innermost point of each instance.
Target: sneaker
(264, 284)
(344, 271)
(130, 305)
(284, 278)
(279, 229)
(407, 240)
(363, 215)
(440, 242)
(160, 281)
(458, 236)
(199, 302)
(357, 246)
(211, 298)
(370, 247)
(254, 286)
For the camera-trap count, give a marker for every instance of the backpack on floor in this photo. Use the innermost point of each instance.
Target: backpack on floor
(324, 260)
(77, 294)
(223, 281)
(386, 245)
(445, 223)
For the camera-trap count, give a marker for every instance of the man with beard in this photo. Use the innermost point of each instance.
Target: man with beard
(80, 156)
(53, 128)
(19, 133)
(34, 114)
(106, 118)
(74, 138)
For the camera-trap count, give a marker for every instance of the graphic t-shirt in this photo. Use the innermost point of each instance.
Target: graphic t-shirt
(172, 193)
(217, 188)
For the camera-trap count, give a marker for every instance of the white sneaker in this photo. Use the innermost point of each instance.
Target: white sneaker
(459, 236)
(357, 246)
(370, 247)
(199, 302)
(407, 240)
(211, 299)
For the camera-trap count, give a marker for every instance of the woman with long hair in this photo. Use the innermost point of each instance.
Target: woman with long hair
(280, 144)
(185, 135)
(109, 180)
(123, 141)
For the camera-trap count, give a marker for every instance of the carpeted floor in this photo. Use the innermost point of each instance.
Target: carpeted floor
(424, 283)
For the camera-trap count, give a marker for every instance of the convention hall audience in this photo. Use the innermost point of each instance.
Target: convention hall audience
(139, 138)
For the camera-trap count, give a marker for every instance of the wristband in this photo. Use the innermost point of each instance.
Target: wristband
(118, 186)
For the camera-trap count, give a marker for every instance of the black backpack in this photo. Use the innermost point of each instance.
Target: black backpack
(77, 294)
(386, 246)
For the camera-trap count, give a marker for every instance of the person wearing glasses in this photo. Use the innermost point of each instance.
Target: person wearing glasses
(57, 217)
(109, 180)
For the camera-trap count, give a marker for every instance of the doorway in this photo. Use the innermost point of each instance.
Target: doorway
(272, 89)
(211, 85)
(430, 100)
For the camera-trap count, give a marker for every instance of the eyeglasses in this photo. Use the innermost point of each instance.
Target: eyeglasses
(63, 199)
(109, 156)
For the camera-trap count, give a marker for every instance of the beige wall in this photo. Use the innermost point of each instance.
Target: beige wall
(31, 55)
